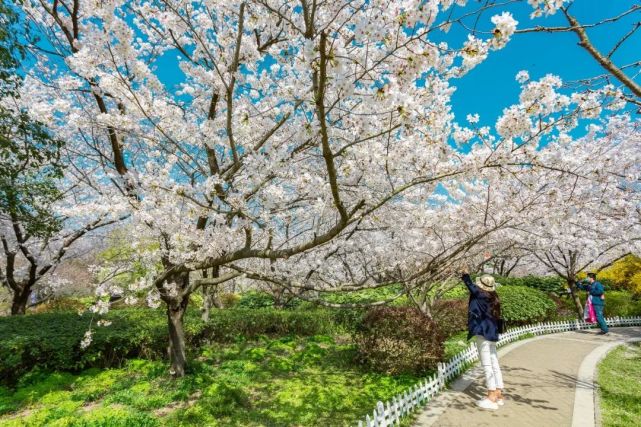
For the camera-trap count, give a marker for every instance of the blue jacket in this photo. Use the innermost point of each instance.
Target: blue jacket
(595, 289)
(479, 313)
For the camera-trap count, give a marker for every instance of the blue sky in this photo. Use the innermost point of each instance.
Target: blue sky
(491, 87)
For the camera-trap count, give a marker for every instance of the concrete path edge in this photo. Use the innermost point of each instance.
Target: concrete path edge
(439, 404)
(586, 409)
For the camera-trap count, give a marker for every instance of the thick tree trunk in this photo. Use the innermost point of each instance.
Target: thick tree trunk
(177, 354)
(206, 304)
(210, 296)
(575, 297)
(20, 300)
(210, 300)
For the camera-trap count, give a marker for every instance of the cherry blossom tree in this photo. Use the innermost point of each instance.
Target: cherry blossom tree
(616, 72)
(476, 221)
(594, 221)
(301, 143)
(292, 123)
(42, 213)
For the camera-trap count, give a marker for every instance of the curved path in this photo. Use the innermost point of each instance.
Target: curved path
(548, 382)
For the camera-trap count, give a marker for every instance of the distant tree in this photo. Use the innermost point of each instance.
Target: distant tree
(624, 273)
(601, 50)
(35, 234)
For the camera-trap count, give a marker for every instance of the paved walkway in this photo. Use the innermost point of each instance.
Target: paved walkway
(548, 382)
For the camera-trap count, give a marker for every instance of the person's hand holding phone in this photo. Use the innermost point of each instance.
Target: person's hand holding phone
(465, 269)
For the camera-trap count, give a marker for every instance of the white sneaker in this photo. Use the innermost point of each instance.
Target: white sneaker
(487, 404)
(500, 402)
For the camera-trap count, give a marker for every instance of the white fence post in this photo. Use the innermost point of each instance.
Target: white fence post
(380, 415)
(402, 404)
(441, 374)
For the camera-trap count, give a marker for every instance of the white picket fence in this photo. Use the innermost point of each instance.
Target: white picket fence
(391, 412)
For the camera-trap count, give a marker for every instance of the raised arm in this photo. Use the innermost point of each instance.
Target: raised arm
(474, 290)
(581, 286)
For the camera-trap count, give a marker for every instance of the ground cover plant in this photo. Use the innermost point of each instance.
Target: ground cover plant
(51, 341)
(250, 366)
(270, 381)
(620, 388)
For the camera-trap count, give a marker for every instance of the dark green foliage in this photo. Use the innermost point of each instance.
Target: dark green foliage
(399, 340)
(547, 284)
(621, 304)
(366, 296)
(310, 381)
(11, 51)
(51, 341)
(230, 324)
(450, 315)
(262, 299)
(521, 305)
(29, 157)
(256, 299)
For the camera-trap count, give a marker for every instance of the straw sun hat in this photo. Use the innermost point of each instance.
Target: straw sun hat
(486, 282)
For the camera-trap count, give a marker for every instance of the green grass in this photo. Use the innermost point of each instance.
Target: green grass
(270, 382)
(620, 387)
(455, 344)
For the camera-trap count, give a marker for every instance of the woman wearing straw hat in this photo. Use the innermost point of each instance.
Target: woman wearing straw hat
(484, 322)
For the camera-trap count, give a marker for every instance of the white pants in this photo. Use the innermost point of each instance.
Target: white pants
(490, 362)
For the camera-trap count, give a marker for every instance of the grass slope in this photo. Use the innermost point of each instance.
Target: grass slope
(269, 382)
(620, 387)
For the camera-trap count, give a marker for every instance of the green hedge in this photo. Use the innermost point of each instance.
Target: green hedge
(521, 305)
(546, 284)
(229, 325)
(51, 341)
(622, 304)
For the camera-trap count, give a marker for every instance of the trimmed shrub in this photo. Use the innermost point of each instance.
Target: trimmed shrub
(622, 304)
(51, 341)
(399, 340)
(230, 324)
(262, 299)
(522, 305)
(547, 284)
(450, 316)
(457, 292)
(255, 299)
(365, 296)
(519, 304)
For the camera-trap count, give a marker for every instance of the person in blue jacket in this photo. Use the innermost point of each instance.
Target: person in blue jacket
(483, 317)
(596, 289)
